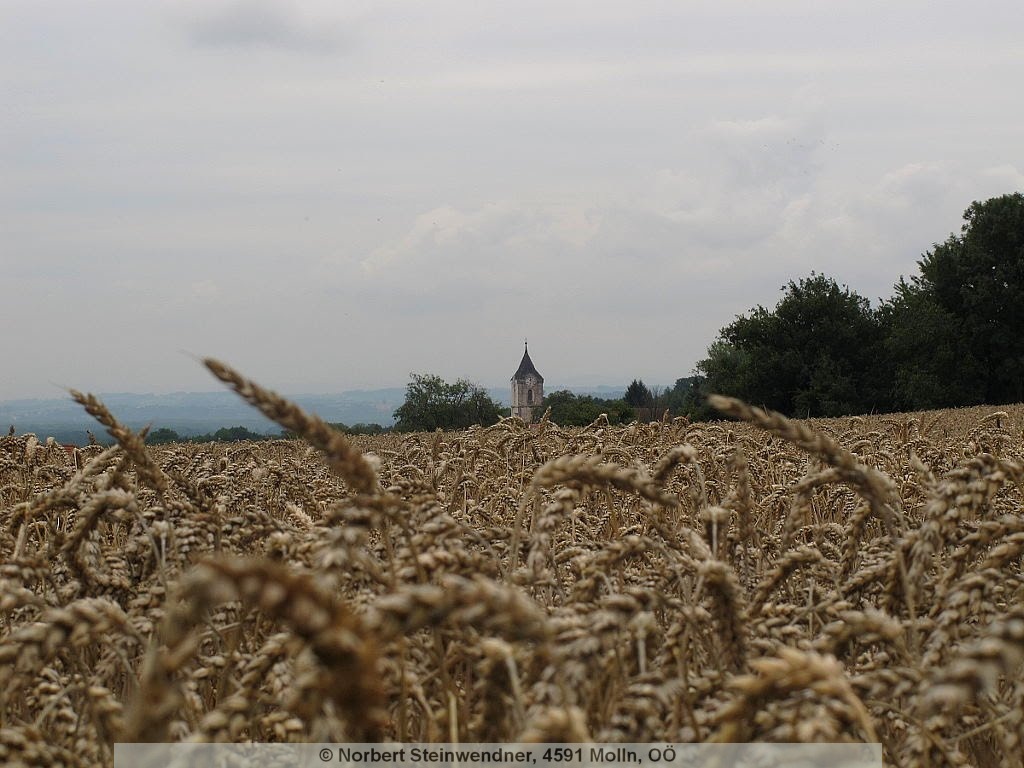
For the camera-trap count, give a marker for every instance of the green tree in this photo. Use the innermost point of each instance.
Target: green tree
(572, 410)
(163, 435)
(359, 428)
(637, 394)
(236, 434)
(819, 352)
(677, 398)
(957, 329)
(432, 403)
(619, 411)
(362, 428)
(934, 364)
(694, 402)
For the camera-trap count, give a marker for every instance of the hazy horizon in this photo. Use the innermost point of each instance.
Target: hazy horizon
(62, 395)
(331, 196)
(193, 413)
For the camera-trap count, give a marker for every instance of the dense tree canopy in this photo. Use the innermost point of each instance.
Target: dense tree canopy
(816, 352)
(933, 363)
(956, 331)
(223, 435)
(572, 410)
(637, 394)
(359, 428)
(951, 335)
(680, 397)
(432, 403)
(163, 435)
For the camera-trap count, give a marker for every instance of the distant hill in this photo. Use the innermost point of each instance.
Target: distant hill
(197, 413)
(189, 413)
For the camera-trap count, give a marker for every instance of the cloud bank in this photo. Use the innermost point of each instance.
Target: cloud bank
(332, 196)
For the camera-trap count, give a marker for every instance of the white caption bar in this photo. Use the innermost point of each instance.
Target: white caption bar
(655, 755)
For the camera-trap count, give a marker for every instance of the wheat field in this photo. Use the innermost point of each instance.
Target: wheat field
(752, 580)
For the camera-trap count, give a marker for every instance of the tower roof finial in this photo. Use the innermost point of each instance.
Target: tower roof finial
(526, 367)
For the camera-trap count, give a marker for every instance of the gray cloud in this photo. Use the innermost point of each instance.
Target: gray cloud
(633, 175)
(264, 23)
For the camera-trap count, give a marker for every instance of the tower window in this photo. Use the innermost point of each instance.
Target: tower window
(529, 397)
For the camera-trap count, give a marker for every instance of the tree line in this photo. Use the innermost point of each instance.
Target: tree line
(165, 435)
(432, 403)
(951, 335)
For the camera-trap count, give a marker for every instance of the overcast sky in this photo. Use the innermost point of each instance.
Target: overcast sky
(332, 195)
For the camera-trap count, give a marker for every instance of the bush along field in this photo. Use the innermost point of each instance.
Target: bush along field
(752, 580)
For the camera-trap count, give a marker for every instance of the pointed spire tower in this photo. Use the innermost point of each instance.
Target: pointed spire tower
(527, 388)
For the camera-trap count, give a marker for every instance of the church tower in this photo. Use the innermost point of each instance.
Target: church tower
(527, 389)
